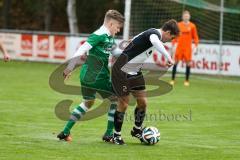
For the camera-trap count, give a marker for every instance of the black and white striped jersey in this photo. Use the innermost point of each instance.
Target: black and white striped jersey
(140, 48)
(141, 43)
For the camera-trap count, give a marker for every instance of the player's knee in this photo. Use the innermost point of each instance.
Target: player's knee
(89, 103)
(142, 103)
(123, 104)
(113, 98)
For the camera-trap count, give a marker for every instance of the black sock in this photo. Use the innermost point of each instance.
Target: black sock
(174, 71)
(187, 72)
(139, 115)
(118, 120)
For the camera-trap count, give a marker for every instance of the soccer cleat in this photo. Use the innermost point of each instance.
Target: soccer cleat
(65, 137)
(172, 82)
(137, 133)
(107, 138)
(186, 83)
(117, 139)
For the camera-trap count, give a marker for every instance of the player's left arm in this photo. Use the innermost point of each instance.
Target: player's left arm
(120, 48)
(160, 48)
(195, 38)
(116, 52)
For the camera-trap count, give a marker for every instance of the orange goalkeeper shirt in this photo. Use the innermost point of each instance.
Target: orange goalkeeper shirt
(188, 35)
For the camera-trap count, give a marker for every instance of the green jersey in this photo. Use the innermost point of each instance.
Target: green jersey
(95, 71)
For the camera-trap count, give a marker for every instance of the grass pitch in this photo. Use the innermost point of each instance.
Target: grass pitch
(198, 122)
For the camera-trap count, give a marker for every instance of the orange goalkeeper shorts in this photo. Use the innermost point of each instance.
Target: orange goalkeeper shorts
(183, 54)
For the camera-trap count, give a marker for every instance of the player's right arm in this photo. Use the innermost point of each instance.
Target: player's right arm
(80, 54)
(77, 58)
(174, 45)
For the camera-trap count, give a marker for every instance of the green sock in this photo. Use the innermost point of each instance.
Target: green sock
(76, 115)
(110, 124)
(68, 127)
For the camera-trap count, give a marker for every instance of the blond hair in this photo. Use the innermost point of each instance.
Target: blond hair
(114, 14)
(186, 12)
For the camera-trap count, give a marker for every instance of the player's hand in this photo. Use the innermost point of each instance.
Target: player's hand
(83, 57)
(170, 63)
(194, 49)
(6, 57)
(66, 73)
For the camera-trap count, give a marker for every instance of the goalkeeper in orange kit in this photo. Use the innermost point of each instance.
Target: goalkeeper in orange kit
(183, 47)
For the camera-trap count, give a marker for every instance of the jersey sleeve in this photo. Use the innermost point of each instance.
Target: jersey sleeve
(159, 46)
(94, 39)
(195, 35)
(174, 41)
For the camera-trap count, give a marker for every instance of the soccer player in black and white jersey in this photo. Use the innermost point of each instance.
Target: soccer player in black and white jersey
(127, 77)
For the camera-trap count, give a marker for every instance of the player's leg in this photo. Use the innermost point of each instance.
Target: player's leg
(121, 89)
(118, 119)
(107, 137)
(78, 112)
(106, 91)
(139, 113)
(188, 59)
(174, 71)
(177, 58)
(76, 115)
(137, 86)
(187, 73)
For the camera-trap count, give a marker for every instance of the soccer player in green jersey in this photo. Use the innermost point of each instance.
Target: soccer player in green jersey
(95, 75)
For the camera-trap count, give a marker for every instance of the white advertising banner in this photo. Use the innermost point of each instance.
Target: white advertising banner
(206, 60)
(74, 44)
(11, 42)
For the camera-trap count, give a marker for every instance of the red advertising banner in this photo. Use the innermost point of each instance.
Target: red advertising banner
(59, 47)
(43, 46)
(26, 45)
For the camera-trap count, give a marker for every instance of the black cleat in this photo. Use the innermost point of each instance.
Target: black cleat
(117, 139)
(107, 138)
(137, 133)
(65, 137)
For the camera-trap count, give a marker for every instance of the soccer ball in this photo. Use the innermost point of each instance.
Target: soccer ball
(150, 135)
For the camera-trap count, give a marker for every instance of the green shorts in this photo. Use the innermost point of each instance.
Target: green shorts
(89, 90)
(94, 80)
